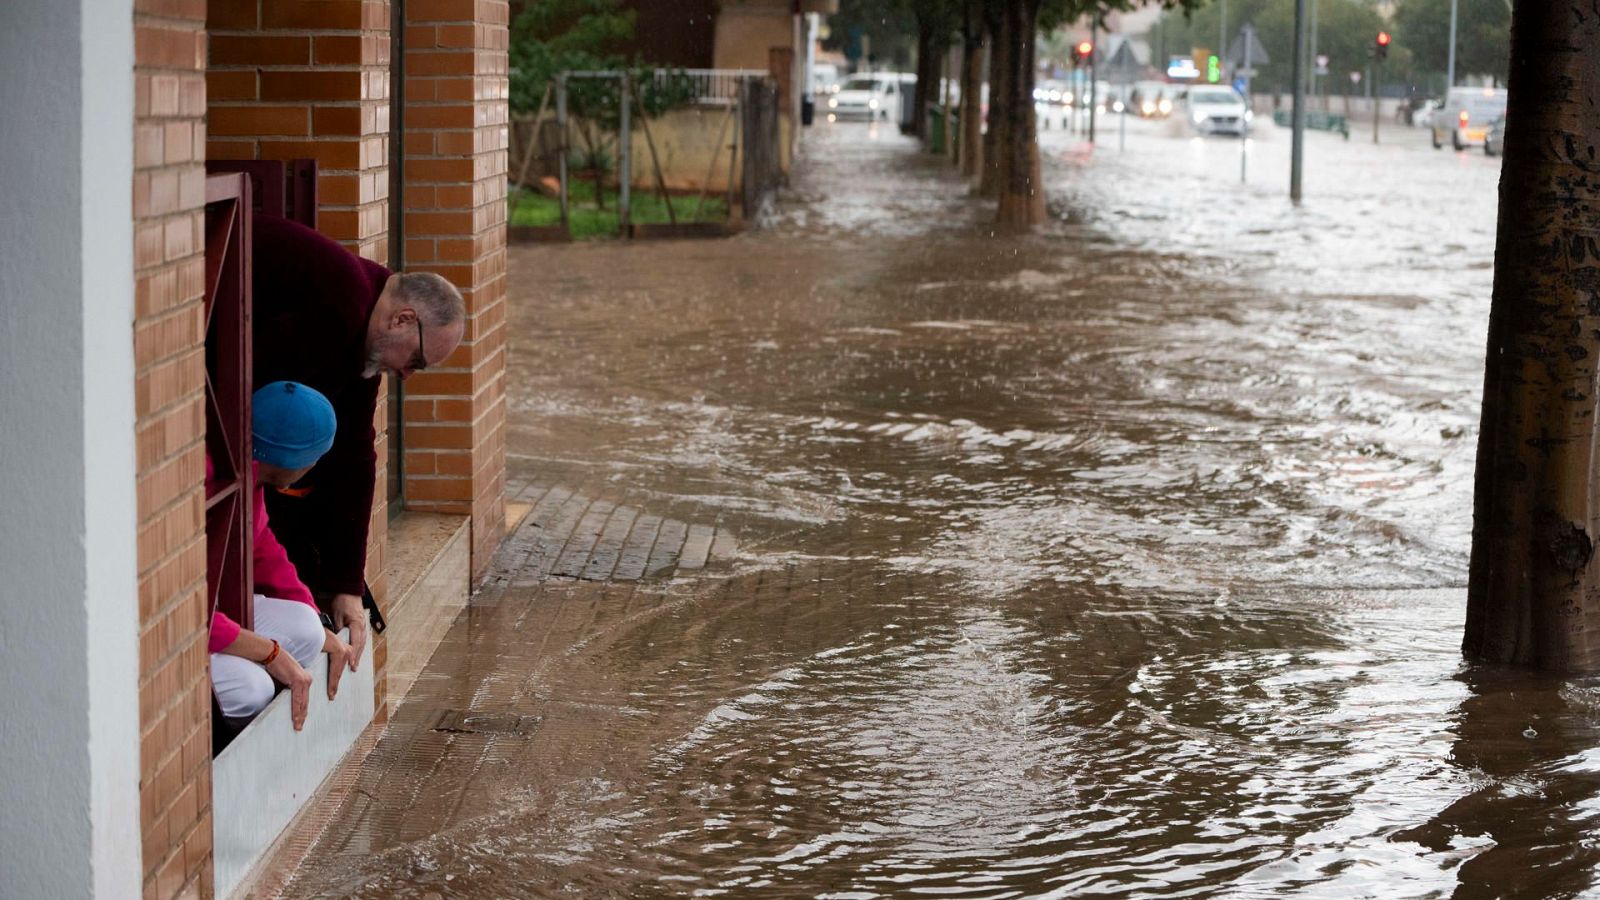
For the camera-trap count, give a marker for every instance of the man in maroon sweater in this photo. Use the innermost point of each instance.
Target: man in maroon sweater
(330, 319)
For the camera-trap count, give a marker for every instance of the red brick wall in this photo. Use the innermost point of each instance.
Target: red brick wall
(168, 336)
(455, 197)
(309, 78)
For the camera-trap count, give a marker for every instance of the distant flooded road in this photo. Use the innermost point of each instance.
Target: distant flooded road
(1127, 558)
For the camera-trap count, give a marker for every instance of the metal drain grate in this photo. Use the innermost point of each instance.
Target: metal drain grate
(465, 721)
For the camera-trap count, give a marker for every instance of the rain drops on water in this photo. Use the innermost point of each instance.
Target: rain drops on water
(1529, 733)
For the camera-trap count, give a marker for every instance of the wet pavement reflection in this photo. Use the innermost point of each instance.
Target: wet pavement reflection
(1126, 558)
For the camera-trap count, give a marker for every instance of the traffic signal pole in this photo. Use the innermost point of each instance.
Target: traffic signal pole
(1297, 145)
(1380, 52)
(1375, 103)
(1094, 85)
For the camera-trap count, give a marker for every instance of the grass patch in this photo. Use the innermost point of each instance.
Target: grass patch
(587, 223)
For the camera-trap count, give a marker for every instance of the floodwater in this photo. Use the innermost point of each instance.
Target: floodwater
(1127, 558)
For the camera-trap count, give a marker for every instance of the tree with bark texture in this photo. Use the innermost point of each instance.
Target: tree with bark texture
(1533, 594)
(974, 41)
(1012, 167)
(1019, 183)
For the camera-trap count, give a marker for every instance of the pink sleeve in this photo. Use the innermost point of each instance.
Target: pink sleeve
(275, 575)
(224, 631)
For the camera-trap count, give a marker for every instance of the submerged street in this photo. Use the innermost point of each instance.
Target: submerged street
(872, 554)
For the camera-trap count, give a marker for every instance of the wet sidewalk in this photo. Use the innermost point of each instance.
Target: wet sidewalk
(874, 555)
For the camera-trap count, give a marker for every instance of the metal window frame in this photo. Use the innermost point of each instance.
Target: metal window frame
(230, 485)
(235, 190)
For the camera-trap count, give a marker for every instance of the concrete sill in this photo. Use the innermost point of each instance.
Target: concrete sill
(430, 574)
(261, 781)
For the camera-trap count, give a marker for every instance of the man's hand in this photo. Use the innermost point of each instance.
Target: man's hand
(339, 656)
(346, 611)
(286, 670)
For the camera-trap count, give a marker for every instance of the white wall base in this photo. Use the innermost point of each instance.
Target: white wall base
(270, 770)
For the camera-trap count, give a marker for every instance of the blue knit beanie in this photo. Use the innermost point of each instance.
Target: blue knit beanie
(292, 424)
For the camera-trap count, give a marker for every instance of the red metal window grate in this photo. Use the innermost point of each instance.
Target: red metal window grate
(229, 484)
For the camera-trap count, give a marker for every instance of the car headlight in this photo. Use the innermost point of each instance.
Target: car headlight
(1165, 106)
(1147, 107)
(1117, 106)
(1196, 116)
(833, 102)
(1249, 115)
(873, 103)
(1055, 96)
(1038, 94)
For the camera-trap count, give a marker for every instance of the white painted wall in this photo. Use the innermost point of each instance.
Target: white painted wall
(69, 742)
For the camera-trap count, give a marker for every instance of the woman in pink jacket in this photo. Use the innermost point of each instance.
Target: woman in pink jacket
(291, 426)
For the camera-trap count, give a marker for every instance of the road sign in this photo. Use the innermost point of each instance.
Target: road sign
(1355, 77)
(1257, 54)
(1322, 64)
(1123, 67)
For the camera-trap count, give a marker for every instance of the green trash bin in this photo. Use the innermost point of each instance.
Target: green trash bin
(936, 128)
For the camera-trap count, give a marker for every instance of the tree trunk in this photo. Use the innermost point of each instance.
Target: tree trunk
(1533, 594)
(1021, 190)
(999, 101)
(945, 120)
(925, 77)
(971, 145)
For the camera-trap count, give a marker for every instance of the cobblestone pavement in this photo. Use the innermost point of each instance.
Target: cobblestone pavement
(872, 554)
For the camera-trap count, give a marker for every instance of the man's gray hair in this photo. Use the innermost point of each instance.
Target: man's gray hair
(436, 300)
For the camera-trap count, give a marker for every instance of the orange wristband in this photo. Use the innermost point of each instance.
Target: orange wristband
(273, 655)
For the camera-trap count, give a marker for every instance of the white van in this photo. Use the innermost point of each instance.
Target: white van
(873, 95)
(1466, 116)
(824, 79)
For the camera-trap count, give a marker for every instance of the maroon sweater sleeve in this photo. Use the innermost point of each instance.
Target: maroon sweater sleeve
(312, 299)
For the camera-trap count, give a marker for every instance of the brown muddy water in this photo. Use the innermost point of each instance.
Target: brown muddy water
(1124, 559)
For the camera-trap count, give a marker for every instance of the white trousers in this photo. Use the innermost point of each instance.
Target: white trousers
(244, 688)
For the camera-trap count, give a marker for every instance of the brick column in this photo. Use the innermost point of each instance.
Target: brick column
(455, 197)
(168, 338)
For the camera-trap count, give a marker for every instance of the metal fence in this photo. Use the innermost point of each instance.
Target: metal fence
(713, 87)
(748, 142)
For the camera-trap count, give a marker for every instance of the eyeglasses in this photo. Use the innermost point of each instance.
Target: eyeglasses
(419, 362)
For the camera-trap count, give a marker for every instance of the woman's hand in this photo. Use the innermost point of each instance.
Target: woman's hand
(285, 670)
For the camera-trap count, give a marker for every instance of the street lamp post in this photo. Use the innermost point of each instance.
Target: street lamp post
(1450, 67)
(1297, 144)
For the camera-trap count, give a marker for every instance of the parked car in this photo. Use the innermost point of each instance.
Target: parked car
(1495, 141)
(1152, 99)
(1466, 116)
(1422, 114)
(824, 79)
(1215, 109)
(876, 95)
(1052, 90)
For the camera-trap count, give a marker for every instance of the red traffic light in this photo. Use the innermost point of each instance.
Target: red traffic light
(1085, 48)
(1383, 39)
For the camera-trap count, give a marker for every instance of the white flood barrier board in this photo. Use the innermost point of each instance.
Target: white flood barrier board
(270, 770)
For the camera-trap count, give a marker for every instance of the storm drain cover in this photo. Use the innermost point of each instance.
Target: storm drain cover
(465, 721)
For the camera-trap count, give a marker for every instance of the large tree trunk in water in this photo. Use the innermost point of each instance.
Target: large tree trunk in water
(1021, 192)
(926, 74)
(971, 143)
(995, 138)
(1533, 596)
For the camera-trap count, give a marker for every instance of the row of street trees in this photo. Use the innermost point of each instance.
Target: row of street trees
(1004, 162)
